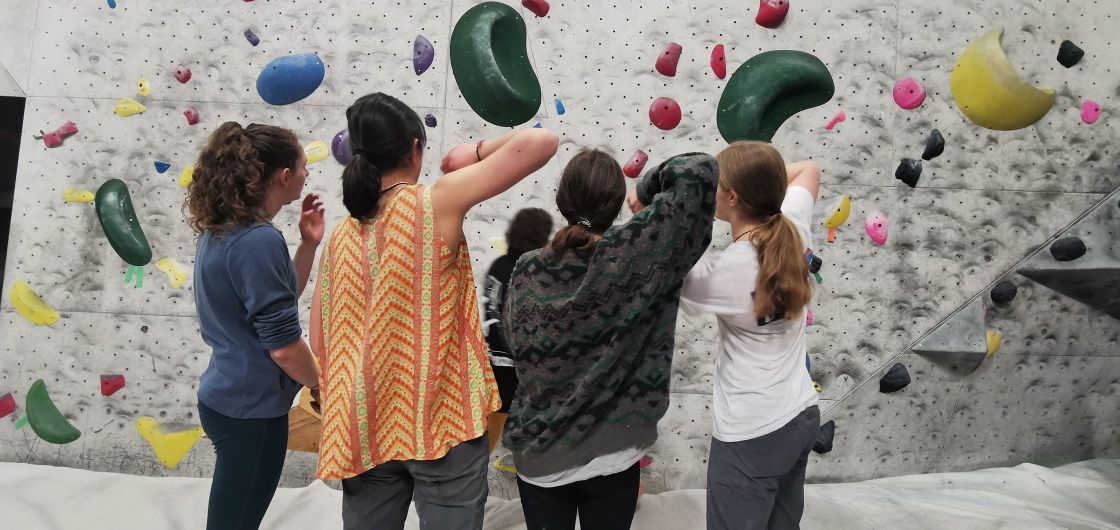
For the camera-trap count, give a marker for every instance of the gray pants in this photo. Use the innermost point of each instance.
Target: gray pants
(450, 492)
(760, 483)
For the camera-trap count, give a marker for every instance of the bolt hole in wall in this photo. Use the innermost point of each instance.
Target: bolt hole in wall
(11, 125)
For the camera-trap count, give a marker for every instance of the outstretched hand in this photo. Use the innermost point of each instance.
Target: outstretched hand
(459, 157)
(311, 223)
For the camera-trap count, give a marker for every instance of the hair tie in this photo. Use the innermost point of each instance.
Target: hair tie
(361, 152)
(582, 221)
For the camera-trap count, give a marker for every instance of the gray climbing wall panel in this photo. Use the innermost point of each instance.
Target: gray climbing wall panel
(977, 211)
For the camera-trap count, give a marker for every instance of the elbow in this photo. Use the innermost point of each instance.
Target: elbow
(544, 141)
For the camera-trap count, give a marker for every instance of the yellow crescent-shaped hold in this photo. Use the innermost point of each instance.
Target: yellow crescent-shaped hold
(77, 195)
(170, 448)
(316, 151)
(186, 177)
(990, 92)
(128, 107)
(175, 272)
(30, 306)
(994, 339)
(839, 214)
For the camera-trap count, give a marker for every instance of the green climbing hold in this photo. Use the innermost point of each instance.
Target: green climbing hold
(769, 88)
(118, 220)
(45, 419)
(491, 66)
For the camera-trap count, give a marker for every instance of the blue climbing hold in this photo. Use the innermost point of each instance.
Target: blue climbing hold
(537, 126)
(560, 107)
(808, 367)
(112, 4)
(162, 167)
(291, 78)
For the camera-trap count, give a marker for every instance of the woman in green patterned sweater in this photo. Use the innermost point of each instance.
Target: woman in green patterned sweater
(590, 320)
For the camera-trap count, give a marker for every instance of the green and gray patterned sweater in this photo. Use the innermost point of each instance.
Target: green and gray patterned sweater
(592, 337)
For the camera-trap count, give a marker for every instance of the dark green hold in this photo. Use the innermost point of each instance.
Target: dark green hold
(769, 88)
(118, 220)
(45, 418)
(491, 66)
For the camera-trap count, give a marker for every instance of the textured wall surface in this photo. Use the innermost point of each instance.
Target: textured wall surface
(1049, 396)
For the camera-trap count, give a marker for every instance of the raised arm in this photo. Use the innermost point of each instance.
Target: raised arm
(806, 174)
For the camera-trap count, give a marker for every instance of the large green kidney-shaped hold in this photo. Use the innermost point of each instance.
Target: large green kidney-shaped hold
(491, 65)
(45, 418)
(769, 88)
(118, 220)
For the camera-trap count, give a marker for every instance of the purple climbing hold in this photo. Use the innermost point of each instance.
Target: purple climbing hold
(1068, 248)
(252, 37)
(909, 171)
(422, 54)
(341, 148)
(935, 145)
(430, 120)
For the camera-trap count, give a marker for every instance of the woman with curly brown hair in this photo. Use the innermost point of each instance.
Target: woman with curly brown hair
(246, 291)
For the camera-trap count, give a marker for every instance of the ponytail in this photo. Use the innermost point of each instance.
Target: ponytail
(384, 132)
(783, 287)
(577, 237)
(361, 187)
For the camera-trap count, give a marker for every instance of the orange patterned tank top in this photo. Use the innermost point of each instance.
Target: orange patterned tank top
(405, 371)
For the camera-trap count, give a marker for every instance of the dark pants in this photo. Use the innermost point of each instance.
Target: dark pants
(760, 483)
(450, 492)
(603, 503)
(250, 457)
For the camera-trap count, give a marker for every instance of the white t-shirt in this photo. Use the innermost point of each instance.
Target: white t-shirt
(600, 466)
(761, 381)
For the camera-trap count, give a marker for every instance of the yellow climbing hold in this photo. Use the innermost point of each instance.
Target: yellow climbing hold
(128, 107)
(500, 245)
(817, 387)
(839, 214)
(170, 448)
(186, 177)
(77, 195)
(175, 272)
(316, 151)
(990, 92)
(995, 339)
(143, 87)
(501, 464)
(30, 306)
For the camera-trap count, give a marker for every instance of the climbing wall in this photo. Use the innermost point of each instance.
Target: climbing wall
(1049, 395)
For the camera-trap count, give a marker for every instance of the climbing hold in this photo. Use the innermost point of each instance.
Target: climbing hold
(192, 115)
(824, 437)
(340, 146)
(45, 418)
(1004, 292)
(55, 137)
(143, 87)
(170, 448)
(7, 405)
(560, 110)
(808, 322)
(815, 263)
(175, 272)
(77, 195)
(909, 171)
(664, 113)
(994, 339)
(291, 78)
(182, 73)
(128, 107)
(958, 342)
(430, 120)
(537, 126)
(667, 60)
(1068, 248)
(876, 226)
(119, 222)
(112, 4)
(491, 66)
(909, 93)
(817, 386)
(186, 176)
(839, 213)
(538, 7)
(423, 53)
(835, 119)
(990, 92)
(134, 273)
(316, 151)
(935, 145)
(500, 245)
(645, 462)
(111, 383)
(1090, 111)
(771, 13)
(162, 167)
(252, 37)
(895, 379)
(719, 61)
(1069, 54)
(769, 88)
(633, 167)
(30, 306)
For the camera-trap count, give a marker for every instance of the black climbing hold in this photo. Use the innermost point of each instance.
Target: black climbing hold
(815, 264)
(935, 145)
(1004, 292)
(1069, 54)
(824, 437)
(895, 379)
(1068, 248)
(909, 171)
(144, 329)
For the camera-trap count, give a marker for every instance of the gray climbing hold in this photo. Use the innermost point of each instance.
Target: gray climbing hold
(824, 437)
(909, 171)
(935, 145)
(1004, 292)
(960, 342)
(895, 379)
(1069, 54)
(1068, 248)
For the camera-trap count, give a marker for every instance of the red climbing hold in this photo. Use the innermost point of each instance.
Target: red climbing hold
(55, 137)
(634, 166)
(538, 7)
(192, 115)
(719, 62)
(7, 405)
(111, 383)
(771, 13)
(667, 61)
(836, 119)
(182, 73)
(665, 113)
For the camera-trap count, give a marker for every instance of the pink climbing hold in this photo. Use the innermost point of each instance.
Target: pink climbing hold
(7, 405)
(634, 166)
(909, 93)
(192, 115)
(771, 13)
(645, 462)
(538, 7)
(836, 119)
(182, 73)
(664, 113)
(111, 383)
(719, 62)
(1090, 111)
(667, 61)
(808, 318)
(876, 226)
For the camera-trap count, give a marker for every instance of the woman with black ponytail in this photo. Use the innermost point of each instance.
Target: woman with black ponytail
(407, 384)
